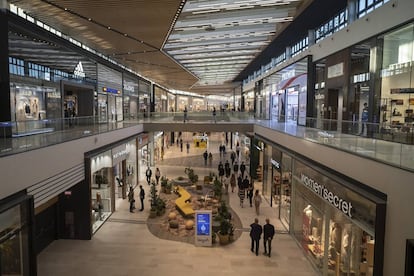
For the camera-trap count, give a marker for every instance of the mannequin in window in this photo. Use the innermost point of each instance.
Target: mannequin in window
(308, 211)
(346, 242)
(335, 236)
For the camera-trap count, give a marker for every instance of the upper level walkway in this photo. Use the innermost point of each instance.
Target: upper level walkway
(342, 136)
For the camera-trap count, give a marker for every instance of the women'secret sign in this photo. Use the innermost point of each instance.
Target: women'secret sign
(323, 192)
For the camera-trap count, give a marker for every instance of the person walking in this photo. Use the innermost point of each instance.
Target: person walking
(268, 234)
(141, 197)
(242, 168)
(220, 170)
(227, 169)
(188, 147)
(242, 195)
(250, 190)
(257, 201)
(214, 114)
(185, 114)
(236, 167)
(232, 182)
(131, 199)
(226, 184)
(255, 233)
(205, 156)
(232, 157)
(157, 175)
(181, 145)
(148, 174)
(210, 159)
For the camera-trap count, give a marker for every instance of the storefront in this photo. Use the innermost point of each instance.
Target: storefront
(286, 93)
(17, 243)
(143, 154)
(144, 97)
(339, 225)
(183, 102)
(337, 221)
(111, 173)
(130, 86)
(277, 181)
(397, 85)
(198, 104)
(109, 95)
(31, 104)
(160, 99)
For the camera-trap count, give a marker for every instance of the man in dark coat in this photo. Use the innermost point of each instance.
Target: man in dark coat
(141, 197)
(242, 168)
(148, 174)
(255, 233)
(268, 234)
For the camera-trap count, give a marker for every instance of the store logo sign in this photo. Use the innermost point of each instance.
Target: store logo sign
(339, 203)
(275, 163)
(78, 72)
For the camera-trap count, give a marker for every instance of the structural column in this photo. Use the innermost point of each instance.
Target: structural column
(5, 112)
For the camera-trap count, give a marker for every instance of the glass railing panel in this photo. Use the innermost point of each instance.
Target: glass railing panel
(389, 145)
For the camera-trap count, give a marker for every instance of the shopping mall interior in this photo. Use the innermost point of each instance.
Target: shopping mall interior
(312, 98)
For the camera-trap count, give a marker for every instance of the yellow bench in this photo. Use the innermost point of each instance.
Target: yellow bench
(182, 203)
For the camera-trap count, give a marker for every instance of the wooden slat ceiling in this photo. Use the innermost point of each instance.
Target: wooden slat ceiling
(133, 33)
(137, 30)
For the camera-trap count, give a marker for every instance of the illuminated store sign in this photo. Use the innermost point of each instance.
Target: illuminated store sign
(78, 72)
(111, 90)
(319, 189)
(119, 153)
(275, 163)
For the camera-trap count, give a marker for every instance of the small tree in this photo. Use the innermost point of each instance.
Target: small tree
(191, 175)
(217, 188)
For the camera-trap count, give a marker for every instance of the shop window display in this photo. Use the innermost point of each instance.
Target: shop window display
(29, 107)
(102, 184)
(335, 244)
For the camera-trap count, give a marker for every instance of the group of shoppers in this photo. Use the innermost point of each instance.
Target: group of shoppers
(256, 231)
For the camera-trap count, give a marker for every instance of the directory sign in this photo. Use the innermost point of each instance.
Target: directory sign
(203, 228)
(203, 224)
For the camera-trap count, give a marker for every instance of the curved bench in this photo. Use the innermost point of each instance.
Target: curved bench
(182, 203)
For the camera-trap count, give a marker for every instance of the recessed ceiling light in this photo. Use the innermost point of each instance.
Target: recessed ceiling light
(109, 28)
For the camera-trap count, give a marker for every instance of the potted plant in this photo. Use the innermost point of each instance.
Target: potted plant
(217, 188)
(153, 200)
(168, 187)
(160, 206)
(164, 182)
(224, 232)
(191, 175)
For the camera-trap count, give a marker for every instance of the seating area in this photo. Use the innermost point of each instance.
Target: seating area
(183, 202)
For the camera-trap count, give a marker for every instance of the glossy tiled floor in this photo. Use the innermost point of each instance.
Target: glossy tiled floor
(124, 245)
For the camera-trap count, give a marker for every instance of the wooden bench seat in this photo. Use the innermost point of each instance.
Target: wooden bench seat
(182, 203)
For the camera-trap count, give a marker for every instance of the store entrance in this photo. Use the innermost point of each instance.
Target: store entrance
(121, 187)
(332, 110)
(78, 102)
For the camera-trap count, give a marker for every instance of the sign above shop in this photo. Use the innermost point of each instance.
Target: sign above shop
(119, 153)
(336, 70)
(402, 90)
(111, 90)
(275, 163)
(322, 191)
(78, 72)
